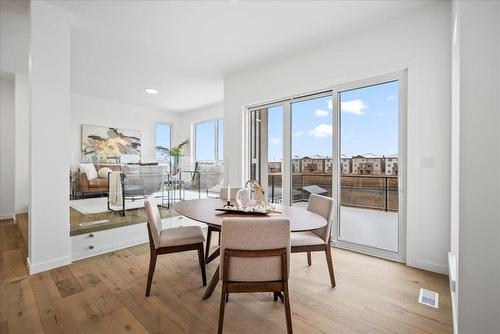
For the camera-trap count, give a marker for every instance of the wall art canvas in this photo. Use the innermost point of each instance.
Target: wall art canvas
(113, 145)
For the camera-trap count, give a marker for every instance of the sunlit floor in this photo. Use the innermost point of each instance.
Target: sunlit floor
(367, 227)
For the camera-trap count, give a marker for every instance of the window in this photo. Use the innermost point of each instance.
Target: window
(209, 140)
(163, 139)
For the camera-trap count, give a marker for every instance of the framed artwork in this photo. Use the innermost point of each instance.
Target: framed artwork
(112, 145)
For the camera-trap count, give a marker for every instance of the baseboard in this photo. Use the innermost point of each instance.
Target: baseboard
(430, 266)
(47, 265)
(8, 216)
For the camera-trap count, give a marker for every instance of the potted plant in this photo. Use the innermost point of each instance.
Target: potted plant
(174, 153)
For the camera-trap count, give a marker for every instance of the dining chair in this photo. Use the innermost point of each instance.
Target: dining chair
(223, 196)
(170, 240)
(319, 239)
(255, 257)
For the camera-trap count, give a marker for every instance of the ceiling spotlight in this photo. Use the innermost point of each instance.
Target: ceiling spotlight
(151, 91)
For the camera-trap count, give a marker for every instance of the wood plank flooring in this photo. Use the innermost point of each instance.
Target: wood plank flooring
(105, 294)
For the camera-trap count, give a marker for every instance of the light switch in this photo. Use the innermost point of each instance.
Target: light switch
(427, 162)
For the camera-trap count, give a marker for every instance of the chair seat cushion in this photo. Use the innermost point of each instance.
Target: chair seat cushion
(305, 239)
(183, 235)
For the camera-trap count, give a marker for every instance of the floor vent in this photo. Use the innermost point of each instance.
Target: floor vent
(429, 298)
(94, 222)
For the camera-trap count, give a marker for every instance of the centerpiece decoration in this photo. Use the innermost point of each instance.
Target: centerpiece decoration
(250, 199)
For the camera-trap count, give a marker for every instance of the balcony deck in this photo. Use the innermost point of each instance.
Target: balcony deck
(374, 228)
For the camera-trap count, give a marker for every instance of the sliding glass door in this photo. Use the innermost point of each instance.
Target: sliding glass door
(346, 143)
(370, 167)
(311, 152)
(266, 150)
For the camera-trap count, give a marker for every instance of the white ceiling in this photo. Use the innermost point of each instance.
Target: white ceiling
(185, 48)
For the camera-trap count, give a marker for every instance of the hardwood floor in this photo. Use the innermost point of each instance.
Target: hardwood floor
(105, 294)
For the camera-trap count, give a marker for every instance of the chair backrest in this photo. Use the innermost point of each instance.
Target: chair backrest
(255, 234)
(153, 178)
(325, 207)
(223, 193)
(154, 219)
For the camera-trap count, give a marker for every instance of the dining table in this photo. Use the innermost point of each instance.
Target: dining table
(205, 211)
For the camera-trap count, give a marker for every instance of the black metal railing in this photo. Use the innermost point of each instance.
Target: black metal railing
(364, 191)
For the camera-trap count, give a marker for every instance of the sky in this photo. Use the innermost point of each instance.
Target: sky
(369, 123)
(162, 137)
(205, 140)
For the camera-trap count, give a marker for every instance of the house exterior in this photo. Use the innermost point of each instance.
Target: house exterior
(345, 165)
(313, 164)
(296, 164)
(274, 166)
(391, 165)
(367, 164)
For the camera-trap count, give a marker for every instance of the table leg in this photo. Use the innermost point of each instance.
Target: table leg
(212, 285)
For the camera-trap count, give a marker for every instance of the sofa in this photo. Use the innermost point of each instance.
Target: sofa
(90, 181)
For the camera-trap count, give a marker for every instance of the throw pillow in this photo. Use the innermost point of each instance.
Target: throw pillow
(103, 172)
(89, 169)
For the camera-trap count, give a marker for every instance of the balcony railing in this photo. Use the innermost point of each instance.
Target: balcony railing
(378, 192)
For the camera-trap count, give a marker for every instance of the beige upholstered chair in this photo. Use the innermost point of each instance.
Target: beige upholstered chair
(255, 257)
(171, 240)
(223, 196)
(319, 239)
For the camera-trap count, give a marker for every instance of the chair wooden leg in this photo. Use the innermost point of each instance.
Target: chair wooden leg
(152, 265)
(201, 259)
(221, 310)
(209, 237)
(275, 296)
(227, 297)
(329, 261)
(309, 261)
(288, 312)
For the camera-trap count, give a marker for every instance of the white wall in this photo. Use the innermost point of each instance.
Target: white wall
(49, 240)
(419, 42)
(186, 120)
(102, 112)
(479, 210)
(7, 143)
(14, 36)
(22, 128)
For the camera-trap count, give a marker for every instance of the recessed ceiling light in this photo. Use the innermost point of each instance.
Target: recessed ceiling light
(151, 91)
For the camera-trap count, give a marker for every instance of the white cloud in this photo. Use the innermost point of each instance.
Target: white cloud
(353, 107)
(298, 133)
(379, 114)
(274, 141)
(390, 97)
(322, 131)
(321, 113)
(330, 104)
